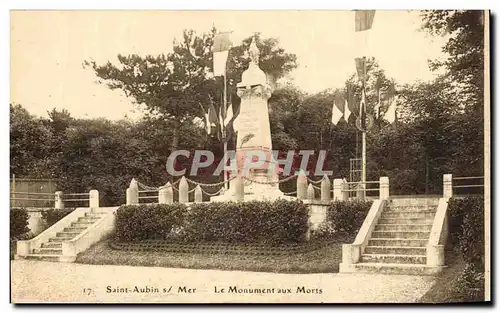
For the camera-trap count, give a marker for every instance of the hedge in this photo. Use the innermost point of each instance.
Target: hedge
(18, 222)
(466, 228)
(147, 222)
(279, 221)
(344, 219)
(53, 216)
(267, 222)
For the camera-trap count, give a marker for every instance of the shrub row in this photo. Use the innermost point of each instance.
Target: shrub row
(280, 221)
(53, 216)
(18, 222)
(344, 219)
(154, 221)
(466, 228)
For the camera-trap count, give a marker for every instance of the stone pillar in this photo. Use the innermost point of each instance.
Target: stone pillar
(302, 185)
(384, 188)
(325, 189)
(166, 194)
(93, 199)
(133, 193)
(337, 189)
(183, 190)
(345, 188)
(360, 193)
(310, 192)
(435, 255)
(59, 204)
(198, 194)
(447, 186)
(239, 188)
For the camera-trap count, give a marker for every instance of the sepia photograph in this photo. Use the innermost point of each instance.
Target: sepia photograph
(204, 156)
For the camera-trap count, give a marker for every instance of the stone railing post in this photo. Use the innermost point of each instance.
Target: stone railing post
(133, 193)
(310, 192)
(239, 188)
(345, 190)
(198, 195)
(337, 189)
(302, 185)
(59, 204)
(447, 186)
(93, 199)
(183, 190)
(325, 189)
(166, 194)
(384, 188)
(361, 192)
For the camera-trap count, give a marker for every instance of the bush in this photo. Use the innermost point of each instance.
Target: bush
(466, 228)
(53, 216)
(145, 222)
(469, 286)
(344, 219)
(18, 222)
(280, 221)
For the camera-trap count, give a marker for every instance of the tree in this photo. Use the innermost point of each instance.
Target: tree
(465, 48)
(174, 86)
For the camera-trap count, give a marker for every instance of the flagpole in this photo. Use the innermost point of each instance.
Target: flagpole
(224, 113)
(363, 138)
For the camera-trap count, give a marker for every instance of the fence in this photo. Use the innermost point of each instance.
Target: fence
(29, 192)
(306, 189)
(58, 199)
(462, 186)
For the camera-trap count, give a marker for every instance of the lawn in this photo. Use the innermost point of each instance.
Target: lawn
(446, 289)
(323, 260)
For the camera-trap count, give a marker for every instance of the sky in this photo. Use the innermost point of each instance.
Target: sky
(49, 47)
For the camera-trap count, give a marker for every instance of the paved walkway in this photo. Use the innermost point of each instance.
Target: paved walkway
(36, 281)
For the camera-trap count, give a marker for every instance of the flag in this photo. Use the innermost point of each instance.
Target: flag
(229, 114)
(390, 115)
(351, 104)
(220, 49)
(378, 85)
(212, 115)
(360, 68)
(207, 124)
(337, 109)
(362, 109)
(363, 20)
(347, 112)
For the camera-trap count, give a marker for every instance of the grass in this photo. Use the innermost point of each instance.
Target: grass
(323, 260)
(445, 290)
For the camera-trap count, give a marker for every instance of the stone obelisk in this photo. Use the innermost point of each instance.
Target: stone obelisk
(254, 135)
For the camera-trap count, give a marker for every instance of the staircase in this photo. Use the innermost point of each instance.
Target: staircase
(79, 230)
(399, 239)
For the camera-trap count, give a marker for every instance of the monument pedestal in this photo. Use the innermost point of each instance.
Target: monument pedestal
(254, 137)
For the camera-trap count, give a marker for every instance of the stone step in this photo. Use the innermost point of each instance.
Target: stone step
(48, 251)
(94, 214)
(67, 234)
(414, 221)
(82, 224)
(43, 257)
(403, 227)
(406, 215)
(411, 208)
(401, 234)
(74, 229)
(398, 242)
(395, 250)
(59, 239)
(88, 219)
(52, 245)
(414, 201)
(391, 268)
(394, 258)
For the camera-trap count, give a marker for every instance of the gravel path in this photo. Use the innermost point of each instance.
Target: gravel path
(36, 281)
